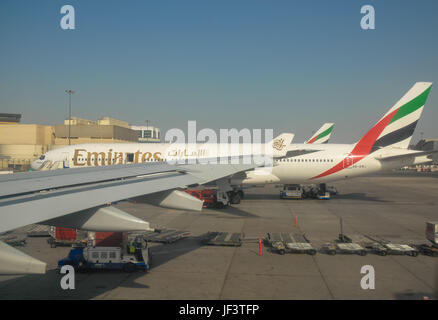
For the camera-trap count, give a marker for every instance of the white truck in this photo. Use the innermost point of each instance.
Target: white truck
(291, 191)
(134, 257)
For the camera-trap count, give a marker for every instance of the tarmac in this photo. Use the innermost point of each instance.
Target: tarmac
(393, 207)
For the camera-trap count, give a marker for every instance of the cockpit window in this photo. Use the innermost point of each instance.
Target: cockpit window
(42, 157)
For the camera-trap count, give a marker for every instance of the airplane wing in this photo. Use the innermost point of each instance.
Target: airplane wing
(406, 155)
(78, 198)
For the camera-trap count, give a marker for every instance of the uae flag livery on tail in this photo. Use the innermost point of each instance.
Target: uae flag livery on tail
(393, 130)
(322, 135)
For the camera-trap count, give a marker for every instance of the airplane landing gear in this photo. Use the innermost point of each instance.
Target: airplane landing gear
(322, 188)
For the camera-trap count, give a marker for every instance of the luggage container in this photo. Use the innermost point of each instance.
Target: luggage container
(60, 236)
(108, 239)
(432, 236)
(432, 232)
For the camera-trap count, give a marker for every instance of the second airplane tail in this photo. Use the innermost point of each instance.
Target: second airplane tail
(322, 135)
(396, 127)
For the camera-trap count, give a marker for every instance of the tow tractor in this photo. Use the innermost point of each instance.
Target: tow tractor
(134, 256)
(212, 199)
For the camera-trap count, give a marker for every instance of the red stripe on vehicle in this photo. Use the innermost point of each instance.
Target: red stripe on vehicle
(362, 148)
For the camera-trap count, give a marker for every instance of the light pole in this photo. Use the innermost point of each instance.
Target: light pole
(147, 129)
(69, 92)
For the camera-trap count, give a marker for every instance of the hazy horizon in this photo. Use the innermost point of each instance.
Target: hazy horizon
(288, 65)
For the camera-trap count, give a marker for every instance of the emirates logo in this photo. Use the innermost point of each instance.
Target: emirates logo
(278, 144)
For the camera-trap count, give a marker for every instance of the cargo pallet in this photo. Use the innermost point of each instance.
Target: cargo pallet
(65, 243)
(37, 230)
(343, 245)
(223, 239)
(165, 235)
(287, 243)
(14, 241)
(33, 230)
(383, 247)
(65, 237)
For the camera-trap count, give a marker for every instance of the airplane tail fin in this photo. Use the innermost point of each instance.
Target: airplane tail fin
(280, 143)
(393, 130)
(396, 127)
(322, 135)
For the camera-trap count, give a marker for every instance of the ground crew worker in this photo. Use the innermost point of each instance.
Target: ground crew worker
(131, 247)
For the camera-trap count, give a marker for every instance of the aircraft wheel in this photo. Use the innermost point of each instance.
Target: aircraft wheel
(235, 198)
(219, 205)
(414, 253)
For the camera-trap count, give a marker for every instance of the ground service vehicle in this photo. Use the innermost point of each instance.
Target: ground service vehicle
(209, 196)
(293, 191)
(134, 257)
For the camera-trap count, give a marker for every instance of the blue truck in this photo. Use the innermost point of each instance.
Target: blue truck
(133, 257)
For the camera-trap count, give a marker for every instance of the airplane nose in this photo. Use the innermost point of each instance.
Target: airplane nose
(36, 165)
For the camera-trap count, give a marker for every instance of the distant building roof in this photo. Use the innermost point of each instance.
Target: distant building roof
(10, 117)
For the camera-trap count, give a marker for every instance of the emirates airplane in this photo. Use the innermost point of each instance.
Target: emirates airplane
(383, 147)
(101, 154)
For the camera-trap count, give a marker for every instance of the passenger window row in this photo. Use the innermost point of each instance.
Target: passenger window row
(99, 159)
(305, 160)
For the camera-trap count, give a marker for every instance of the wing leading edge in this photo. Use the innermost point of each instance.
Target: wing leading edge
(71, 195)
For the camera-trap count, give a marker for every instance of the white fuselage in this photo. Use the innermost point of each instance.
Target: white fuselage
(304, 164)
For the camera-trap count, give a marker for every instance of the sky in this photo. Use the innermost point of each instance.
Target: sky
(285, 65)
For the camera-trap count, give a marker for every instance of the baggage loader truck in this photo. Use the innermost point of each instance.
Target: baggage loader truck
(134, 256)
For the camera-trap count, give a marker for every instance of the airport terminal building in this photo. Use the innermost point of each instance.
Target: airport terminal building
(147, 134)
(20, 144)
(105, 130)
